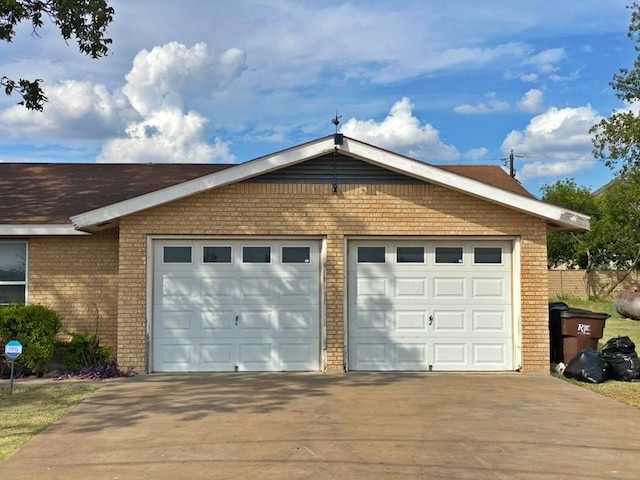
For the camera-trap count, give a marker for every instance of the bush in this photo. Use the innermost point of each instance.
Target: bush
(36, 327)
(82, 351)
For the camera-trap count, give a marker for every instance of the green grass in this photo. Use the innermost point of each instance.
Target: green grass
(31, 409)
(616, 326)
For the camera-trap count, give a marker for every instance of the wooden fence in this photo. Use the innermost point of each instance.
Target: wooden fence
(574, 283)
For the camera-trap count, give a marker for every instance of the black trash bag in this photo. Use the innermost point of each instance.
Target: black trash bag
(588, 366)
(622, 360)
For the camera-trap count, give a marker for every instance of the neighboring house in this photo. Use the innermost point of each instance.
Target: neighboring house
(331, 255)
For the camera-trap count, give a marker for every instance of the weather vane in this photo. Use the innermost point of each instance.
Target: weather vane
(336, 120)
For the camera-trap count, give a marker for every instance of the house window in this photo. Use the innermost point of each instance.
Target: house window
(449, 255)
(13, 272)
(487, 255)
(216, 254)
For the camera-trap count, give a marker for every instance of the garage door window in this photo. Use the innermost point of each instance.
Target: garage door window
(410, 255)
(450, 255)
(216, 254)
(256, 254)
(13, 272)
(176, 254)
(487, 255)
(296, 255)
(371, 254)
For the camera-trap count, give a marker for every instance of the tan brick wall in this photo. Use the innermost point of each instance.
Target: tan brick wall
(77, 277)
(278, 209)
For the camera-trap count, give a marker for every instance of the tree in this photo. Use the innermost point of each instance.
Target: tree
(570, 249)
(84, 20)
(617, 138)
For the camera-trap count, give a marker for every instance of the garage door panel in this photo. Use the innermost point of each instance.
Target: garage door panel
(175, 323)
(490, 321)
(447, 321)
(456, 303)
(411, 288)
(217, 357)
(173, 356)
(449, 287)
(296, 354)
(411, 355)
(485, 288)
(216, 322)
(251, 321)
(255, 356)
(486, 355)
(407, 321)
(372, 287)
(297, 322)
(217, 288)
(217, 312)
(255, 287)
(450, 353)
(370, 322)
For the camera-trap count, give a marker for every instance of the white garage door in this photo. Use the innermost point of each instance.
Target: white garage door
(236, 306)
(430, 306)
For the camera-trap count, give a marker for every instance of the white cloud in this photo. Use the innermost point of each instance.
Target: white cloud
(156, 85)
(166, 136)
(532, 101)
(76, 110)
(476, 153)
(492, 105)
(556, 142)
(402, 132)
(529, 77)
(546, 57)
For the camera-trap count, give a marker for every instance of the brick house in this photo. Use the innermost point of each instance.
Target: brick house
(331, 255)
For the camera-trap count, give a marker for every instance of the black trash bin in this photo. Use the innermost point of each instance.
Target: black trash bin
(571, 330)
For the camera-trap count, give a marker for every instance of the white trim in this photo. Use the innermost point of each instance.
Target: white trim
(37, 229)
(429, 173)
(149, 307)
(376, 156)
(516, 302)
(224, 177)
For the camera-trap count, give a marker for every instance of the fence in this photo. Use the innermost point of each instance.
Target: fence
(574, 282)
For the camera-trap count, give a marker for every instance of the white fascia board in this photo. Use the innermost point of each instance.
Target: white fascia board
(422, 171)
(238, 173)
(35, 230)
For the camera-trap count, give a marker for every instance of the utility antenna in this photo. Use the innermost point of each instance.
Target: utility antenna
(511, 159)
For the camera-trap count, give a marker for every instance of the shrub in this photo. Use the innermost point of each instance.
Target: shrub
(36, 327)
(83, 351)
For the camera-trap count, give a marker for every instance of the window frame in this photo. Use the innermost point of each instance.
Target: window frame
(24, 282)
(230, 247)
(282, 254)
(488, 247)
(460, 262)
(192, 250)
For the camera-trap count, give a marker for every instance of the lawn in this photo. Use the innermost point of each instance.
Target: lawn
(31, 409)
(625, 392)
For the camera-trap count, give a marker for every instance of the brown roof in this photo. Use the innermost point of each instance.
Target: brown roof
(39, 193)
(53, 192)
(490, 174)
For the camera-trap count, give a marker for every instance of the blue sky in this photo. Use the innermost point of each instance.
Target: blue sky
(444, 81)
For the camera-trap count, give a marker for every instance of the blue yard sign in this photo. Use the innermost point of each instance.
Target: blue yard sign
(13, 350)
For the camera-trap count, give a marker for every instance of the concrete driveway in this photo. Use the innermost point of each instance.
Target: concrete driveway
(334, 426)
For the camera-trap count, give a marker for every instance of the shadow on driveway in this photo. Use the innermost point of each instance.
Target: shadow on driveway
(377, 425)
